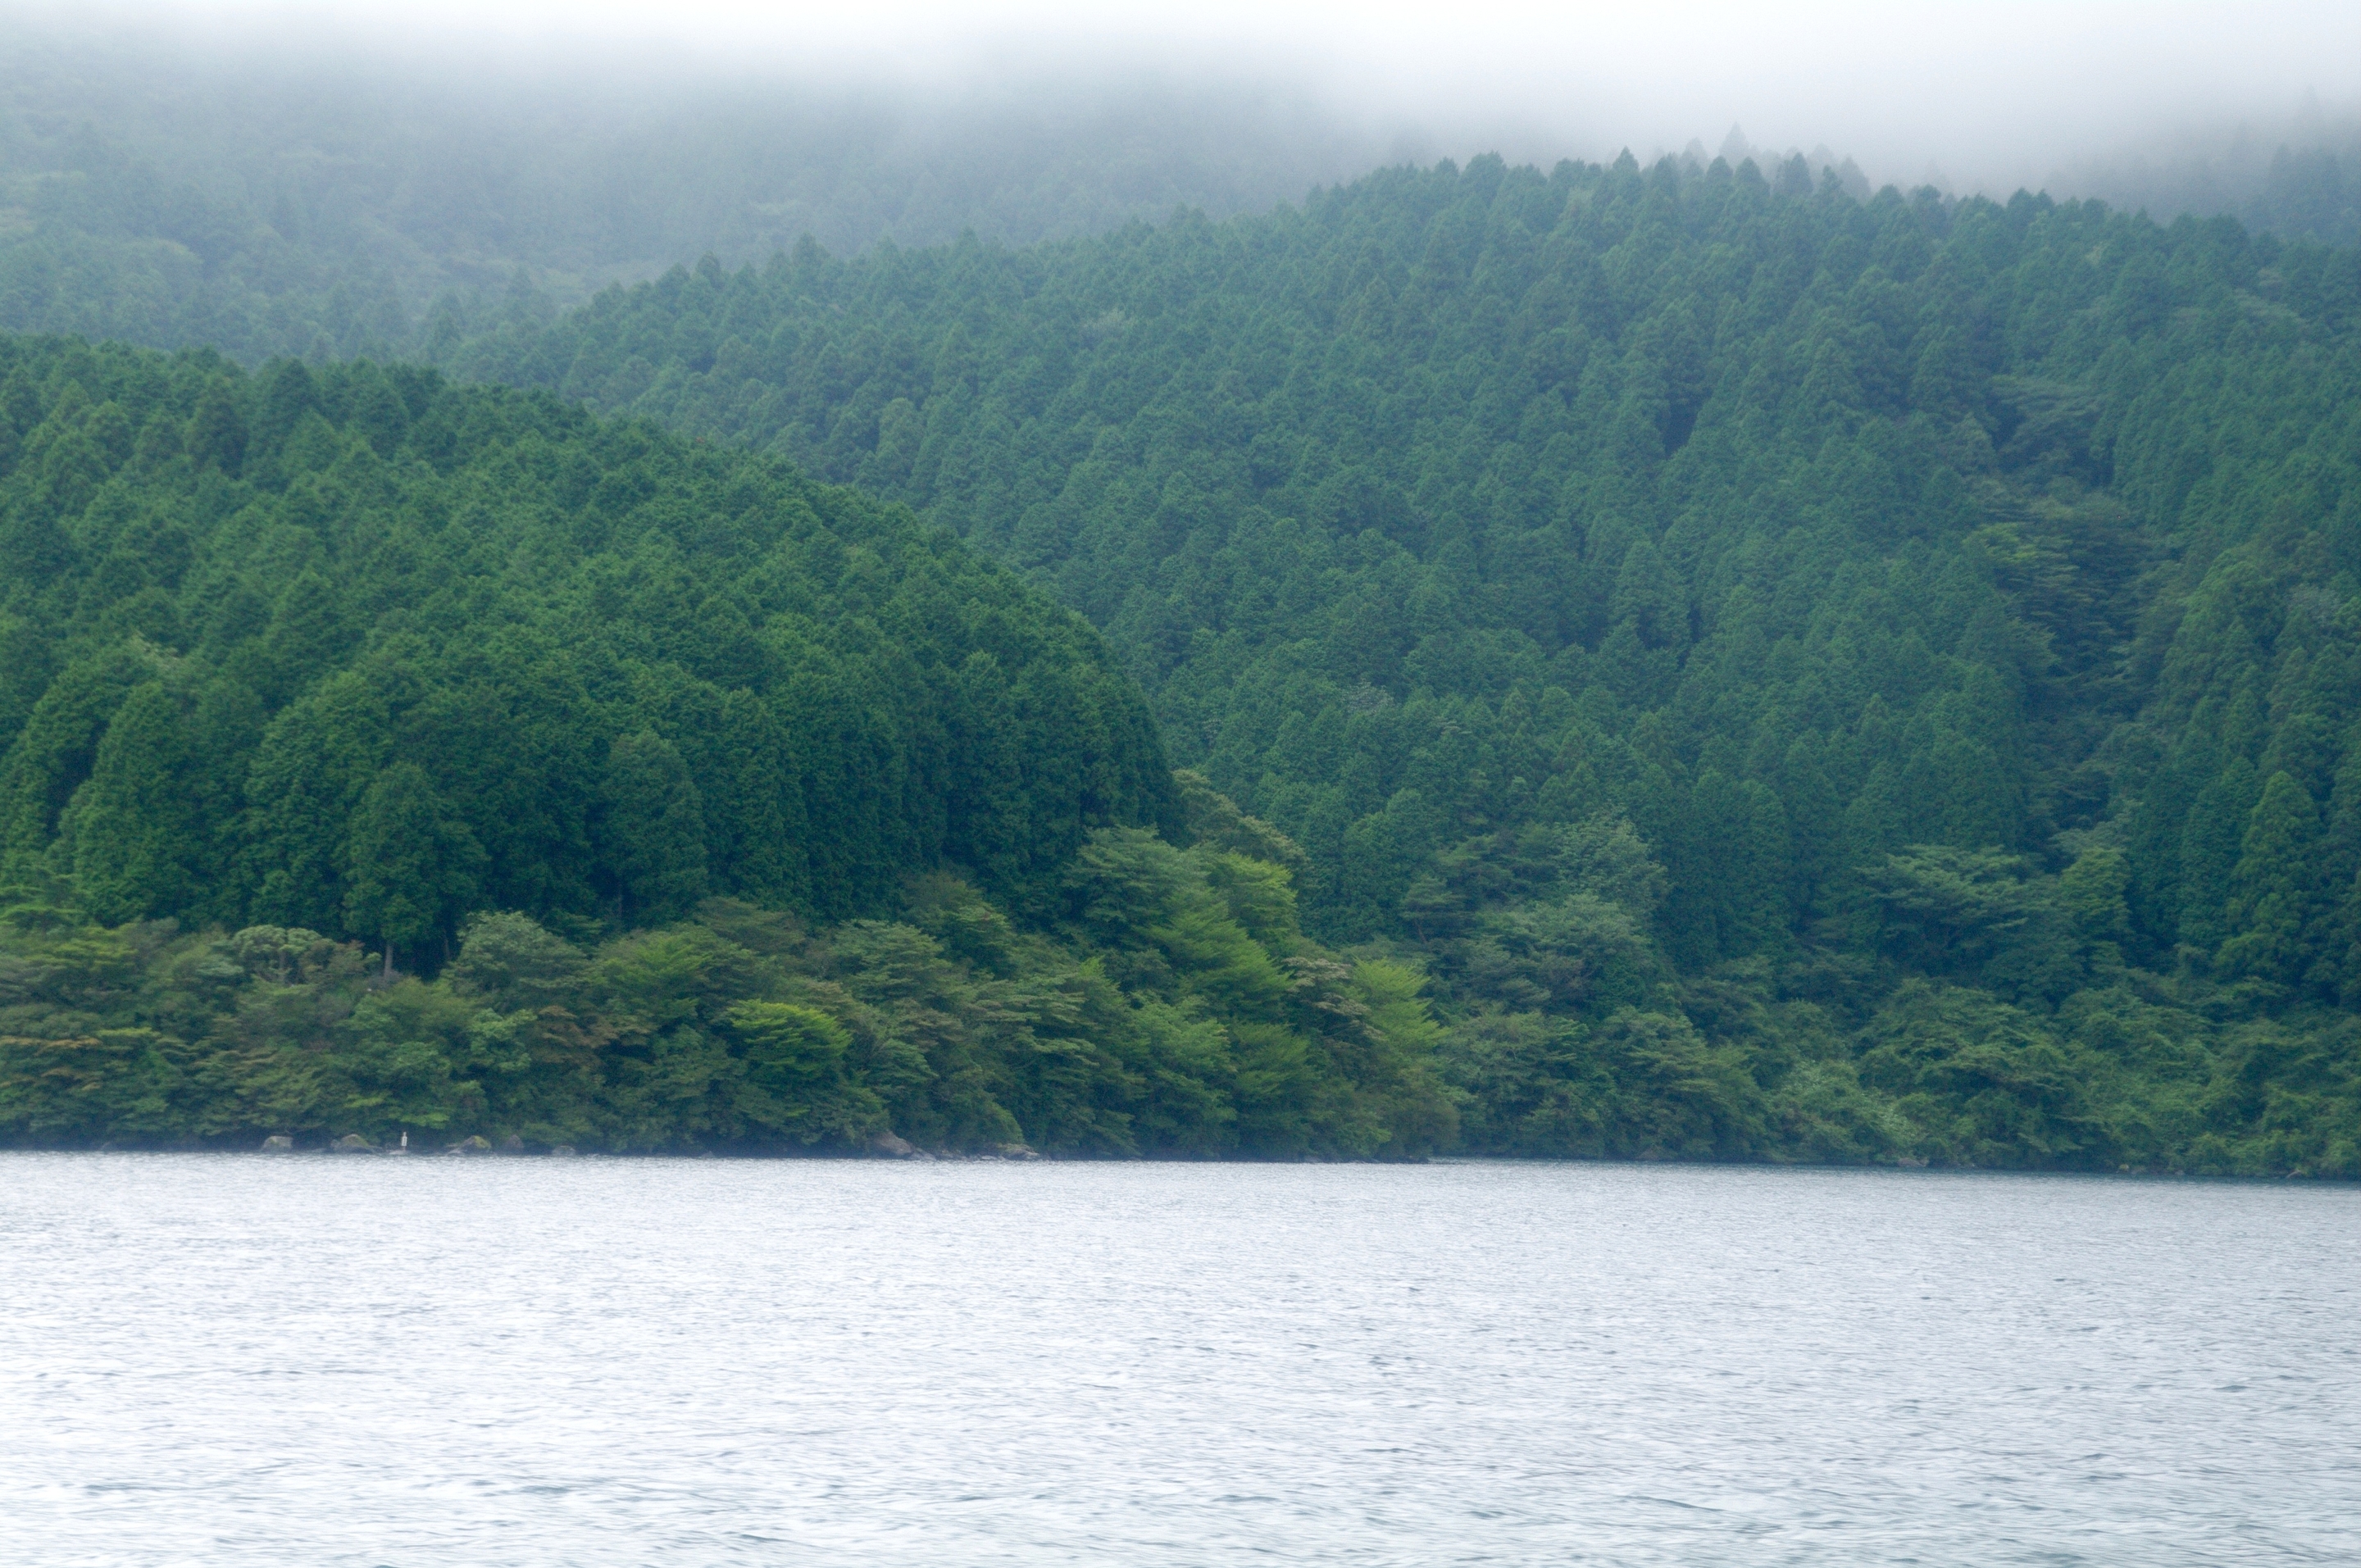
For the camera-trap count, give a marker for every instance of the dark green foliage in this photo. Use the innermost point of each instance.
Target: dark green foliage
(138, 831)
(1787, 676)
(409, 869)
(652, 829)
(430, 651)
(2273, 898)
(1956, 602)
(1988, 1081)
(588, 675)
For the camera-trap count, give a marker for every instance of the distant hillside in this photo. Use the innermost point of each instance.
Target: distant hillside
(318, 206)
(2298, 181)
(1955, 605)
(311, 202)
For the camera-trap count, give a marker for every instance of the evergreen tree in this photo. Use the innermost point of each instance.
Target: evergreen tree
(2274, 887)
(216, 435)
(303, 641)
(2212, 846)
(651, 830)
(409, 869)
(458, 601)
(140, 842)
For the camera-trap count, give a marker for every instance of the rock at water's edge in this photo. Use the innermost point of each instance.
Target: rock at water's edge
(891, 1145)
(562, 1151)
(279, 1142)
(352, 1143)
(469, 1146)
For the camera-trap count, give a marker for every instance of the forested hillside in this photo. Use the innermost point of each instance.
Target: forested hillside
(1705, 667)
(1905, 643)
(301, 661)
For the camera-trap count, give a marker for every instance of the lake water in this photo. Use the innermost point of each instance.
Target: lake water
(315, 1361)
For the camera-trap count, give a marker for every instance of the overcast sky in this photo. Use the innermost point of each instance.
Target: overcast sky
(1993, 91)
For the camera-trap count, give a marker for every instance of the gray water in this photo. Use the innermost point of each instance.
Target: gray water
(219, 1359)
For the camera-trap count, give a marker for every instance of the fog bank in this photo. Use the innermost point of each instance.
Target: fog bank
(312, 178)
(1980, 96)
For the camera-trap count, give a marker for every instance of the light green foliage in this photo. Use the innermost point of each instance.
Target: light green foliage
(2273, 897)
(793, 1080)
(2090, 892)
(739, 1028)
(1944, 909)
(1258, 895)
(1988, 1083)
(512, 964)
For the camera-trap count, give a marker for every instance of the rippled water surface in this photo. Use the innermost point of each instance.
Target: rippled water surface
(311, 1361)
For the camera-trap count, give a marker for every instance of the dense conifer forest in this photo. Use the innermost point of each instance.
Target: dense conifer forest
(1669, 663)
(1950, 606)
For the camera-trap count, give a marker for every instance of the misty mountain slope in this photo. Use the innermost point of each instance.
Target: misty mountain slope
(2305, 185)
(317, 206)
(1958, 601)
(309, 201)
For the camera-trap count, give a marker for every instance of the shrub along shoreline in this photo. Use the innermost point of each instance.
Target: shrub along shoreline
(1178, 1013)
(1198, 1023)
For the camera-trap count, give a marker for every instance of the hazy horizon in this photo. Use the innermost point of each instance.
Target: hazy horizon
(388, 161)
(1971, 98)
